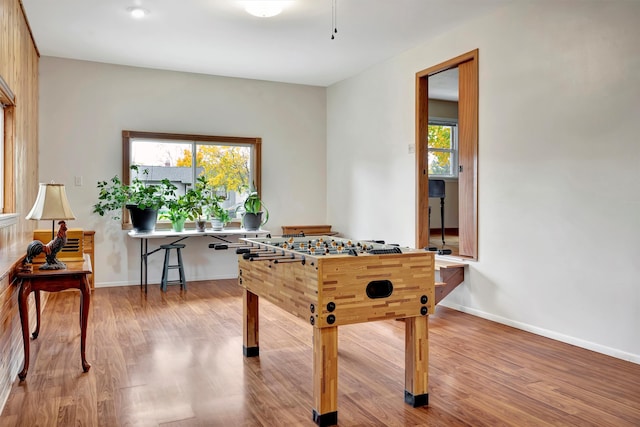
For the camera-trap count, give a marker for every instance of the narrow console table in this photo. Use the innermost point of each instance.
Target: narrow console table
(221, 236)
(74, 277)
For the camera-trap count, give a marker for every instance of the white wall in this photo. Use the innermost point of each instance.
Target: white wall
(84, 106)
(559, 166)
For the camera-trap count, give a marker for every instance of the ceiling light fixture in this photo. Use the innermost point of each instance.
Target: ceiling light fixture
(334, 18)
(265, 8)
(138, 12)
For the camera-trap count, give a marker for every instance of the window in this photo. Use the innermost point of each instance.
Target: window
(8, 215)
(442, 140)
(231, 165)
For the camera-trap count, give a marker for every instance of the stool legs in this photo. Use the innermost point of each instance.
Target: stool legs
(442, 218)
(165, 271)
(167, 266)
(183, 280)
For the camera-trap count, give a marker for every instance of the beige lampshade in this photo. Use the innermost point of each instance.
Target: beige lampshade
(51, 203)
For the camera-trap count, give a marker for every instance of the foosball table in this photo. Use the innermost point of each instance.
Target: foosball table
(329, 282)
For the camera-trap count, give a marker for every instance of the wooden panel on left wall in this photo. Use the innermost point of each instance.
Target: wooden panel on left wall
(19, 60)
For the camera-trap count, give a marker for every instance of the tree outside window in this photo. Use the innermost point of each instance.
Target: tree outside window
(230, 165)
(443, 150)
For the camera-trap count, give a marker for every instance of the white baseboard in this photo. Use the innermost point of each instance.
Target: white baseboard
(618, 354)
(190, 279)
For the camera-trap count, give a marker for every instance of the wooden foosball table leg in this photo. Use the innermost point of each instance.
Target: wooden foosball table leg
(325, 376)
(250, 346)
(416, 370)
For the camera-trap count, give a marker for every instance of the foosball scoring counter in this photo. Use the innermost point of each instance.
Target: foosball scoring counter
(329, 282)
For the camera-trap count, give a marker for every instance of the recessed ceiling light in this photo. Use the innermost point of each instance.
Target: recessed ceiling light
(265, 8)
(138, 12)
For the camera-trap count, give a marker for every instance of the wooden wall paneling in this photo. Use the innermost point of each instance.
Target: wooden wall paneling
(19, 69)
(12, 354)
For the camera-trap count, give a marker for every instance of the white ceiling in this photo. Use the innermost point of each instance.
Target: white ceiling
(218, 37)
(444, 85)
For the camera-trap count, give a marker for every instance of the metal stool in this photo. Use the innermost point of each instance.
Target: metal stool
(436, 189)
(167, 267)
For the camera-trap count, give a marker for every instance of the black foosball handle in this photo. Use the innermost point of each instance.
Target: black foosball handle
(218, 246)
(394, 250)
(249, 255)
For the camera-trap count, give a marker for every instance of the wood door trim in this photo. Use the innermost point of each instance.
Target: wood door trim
(468, 158)
(422, 176)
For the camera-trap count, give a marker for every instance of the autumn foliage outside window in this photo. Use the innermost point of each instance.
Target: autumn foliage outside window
(443, 150)
(230, 168)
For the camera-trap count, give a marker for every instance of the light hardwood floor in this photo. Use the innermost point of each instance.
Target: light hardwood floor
(175, 359)
(451, 241)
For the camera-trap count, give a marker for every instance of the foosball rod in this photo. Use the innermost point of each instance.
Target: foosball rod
(256, 252)
(269, 253)
(271, 258)
(239, 247)
(223, 246)
(302, 259)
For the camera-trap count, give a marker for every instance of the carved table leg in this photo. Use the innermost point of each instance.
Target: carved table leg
(36, 295)
(23, 293)
(85, 301)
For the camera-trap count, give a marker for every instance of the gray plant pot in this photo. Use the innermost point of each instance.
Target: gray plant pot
(216, 224)
(252, 221)
(143, 220)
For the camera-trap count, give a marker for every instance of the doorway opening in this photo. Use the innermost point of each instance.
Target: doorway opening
(465, 196)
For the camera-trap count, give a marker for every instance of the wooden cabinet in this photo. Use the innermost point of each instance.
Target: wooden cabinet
(79, 242)
(308, 230)
(88, 245)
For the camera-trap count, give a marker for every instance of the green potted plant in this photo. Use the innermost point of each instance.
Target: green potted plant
(219, 215)
(200, 198)
(142, 200)
(254, 209)
(177, 212)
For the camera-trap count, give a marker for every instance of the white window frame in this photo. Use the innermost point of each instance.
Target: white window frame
(454, 147)
(8, 216)
(128, 137)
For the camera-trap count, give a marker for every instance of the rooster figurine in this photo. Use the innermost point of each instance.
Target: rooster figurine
(50, 250)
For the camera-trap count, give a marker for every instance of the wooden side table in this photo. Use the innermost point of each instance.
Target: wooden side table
(74, 277)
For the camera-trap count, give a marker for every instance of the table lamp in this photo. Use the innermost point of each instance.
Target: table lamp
(51, 203)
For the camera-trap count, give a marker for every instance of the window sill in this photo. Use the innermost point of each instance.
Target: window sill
(166, 225)
(444, 178)
(7, 220)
